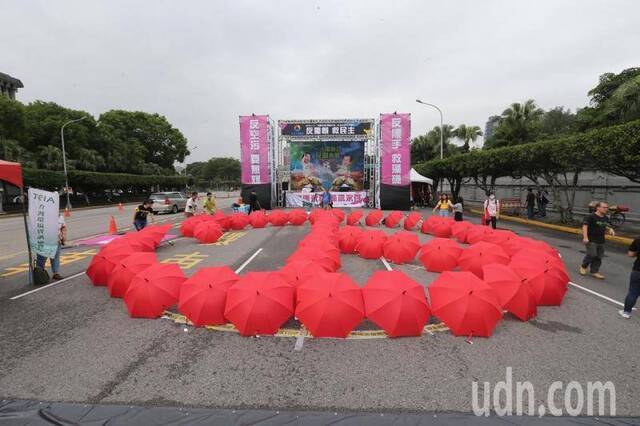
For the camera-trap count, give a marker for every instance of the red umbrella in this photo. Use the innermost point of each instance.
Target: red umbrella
(401, 247)
(259, 303)
(188, 225)
(315, 239)
(440, 254)
(299, 271)
(530, 243)
(156, 232)
(514, 294)
(208, 232)
(204, 294)
(104, 261)
(441, 228)
(124, 271)
(348, 238)
(459, 230)
(238, 221)
(425, 228)
(322, 245)
(370, 244)
(154, 290)
(396, 303)
(480, 254)
(338, 214)
(373, 218)
(548, 283)
(477, 233)
(258, 219)
(278, 218)
(139, 242)
(322, 257)
(297, 217)
(330, 305)
(354, 217)
(221, 219)
(315, 213)
(411, 220)
(499, 237)
(465, 303)
(393, 219)
(532, 274)
(550, 261)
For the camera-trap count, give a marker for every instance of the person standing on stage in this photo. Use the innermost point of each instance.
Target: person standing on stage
(192, 205)
(326, 199)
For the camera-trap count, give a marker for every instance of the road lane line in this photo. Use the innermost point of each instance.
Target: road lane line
(246, 262)
(595, 293)
(46, 286)
(386, 264)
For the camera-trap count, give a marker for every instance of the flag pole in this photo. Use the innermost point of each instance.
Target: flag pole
(26, 229)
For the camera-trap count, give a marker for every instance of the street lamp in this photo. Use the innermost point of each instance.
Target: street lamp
(64, 157)
(441, 131)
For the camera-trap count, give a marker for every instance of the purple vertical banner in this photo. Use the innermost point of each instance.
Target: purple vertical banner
(254, 149)
(395, 149)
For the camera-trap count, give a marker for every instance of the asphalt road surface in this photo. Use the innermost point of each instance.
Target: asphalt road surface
(72, 342)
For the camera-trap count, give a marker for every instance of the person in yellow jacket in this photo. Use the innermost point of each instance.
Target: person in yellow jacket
(210, 204)
(444, 206)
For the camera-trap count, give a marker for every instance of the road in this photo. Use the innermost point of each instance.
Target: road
(71, 342)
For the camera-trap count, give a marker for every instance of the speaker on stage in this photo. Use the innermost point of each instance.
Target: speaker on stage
(263, 192)
(394, 197)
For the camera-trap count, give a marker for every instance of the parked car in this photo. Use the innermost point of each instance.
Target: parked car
(168, 202)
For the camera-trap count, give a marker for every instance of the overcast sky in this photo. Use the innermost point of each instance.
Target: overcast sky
(203, 63)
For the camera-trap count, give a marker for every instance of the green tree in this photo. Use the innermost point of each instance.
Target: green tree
(467, 134)
(427, 147)
(88, 159)
(49, 157)
(221, 168)
(520, 123)
(557, 121)
(12, 121)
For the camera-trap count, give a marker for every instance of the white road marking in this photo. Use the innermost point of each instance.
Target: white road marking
(246, 262)
(595, 293)
(386, 264)
(46, 286)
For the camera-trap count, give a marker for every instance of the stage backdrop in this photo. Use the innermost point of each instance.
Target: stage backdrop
(254, 160)
(395, 161)
(327, 165)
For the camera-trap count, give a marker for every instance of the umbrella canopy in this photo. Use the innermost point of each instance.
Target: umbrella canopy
(124, 271)
(338, 214)
(156, 232)
(300, 271)
(330, 305)
(153, 290)
(532, 275)
(188, 225)
(238, 221)
(480, 254)
(396, 303)
(207, 232)
(548, 283)
(105, 261)
(393, 219)
(221, 219)
(278, 218)
(326, 259)
(401, 247)
(259, 303)
(441, 228)
(348, 237)
(204, 295)
(258, 219)
(440, 254)
(411, 220)
(477, 233)
(139, 242)
(370, 244)
(514, 295)
(373, 218)
(459, 230)
(354, 217)
(297, 217)
(465, 303)
(499, 237)
(11, 172)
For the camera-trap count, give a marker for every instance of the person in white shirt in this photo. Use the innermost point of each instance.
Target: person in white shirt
(192, 205)
(491, 210)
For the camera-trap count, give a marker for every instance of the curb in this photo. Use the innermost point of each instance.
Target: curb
(620, 240)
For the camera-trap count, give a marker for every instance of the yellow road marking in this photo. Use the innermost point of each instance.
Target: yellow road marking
(186, 261)
(227, 238)
(65, 259)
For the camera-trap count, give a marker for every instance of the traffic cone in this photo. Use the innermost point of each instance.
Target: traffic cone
(113, 228)
(120, 207)
(67, 213)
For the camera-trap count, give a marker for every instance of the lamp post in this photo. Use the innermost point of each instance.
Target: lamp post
(64, 158)
(441, 131)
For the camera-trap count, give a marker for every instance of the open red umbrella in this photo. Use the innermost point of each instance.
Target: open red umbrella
(370, 244)
(139, 242)
(238, 221)
(188, 225)
(105, 261)
(258, 219)
(315, 213)
(440, 254)
(203, 296)
(401, 247)
(548, 283)
(514, 294)
(153, 290)
(459, 230)
(326, 259)
(373, 218)
(477, 233)
(499, 236)
(354, 217)
(393, 219)
(207, 232)
(259, 303)
(531, 243)
(550, 260)
(124, 271)
(278, 218)
(411, 220)
(330, 305)
(299, 271)
(441, 228)
(156, 232)
(396, 303)
(480, 254)
(338, 214)
(465, 303)
(348, 237)
(532, 275)
(317, 239)
(221, 219)
(297, 217)
(322, 245)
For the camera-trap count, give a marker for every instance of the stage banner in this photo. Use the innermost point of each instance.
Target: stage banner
(254, 149)
(326, 128)
(339, 199)
(332, 165)
(395, 149)
(44, 211)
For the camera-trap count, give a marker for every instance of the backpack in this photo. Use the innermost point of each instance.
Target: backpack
(40, 276)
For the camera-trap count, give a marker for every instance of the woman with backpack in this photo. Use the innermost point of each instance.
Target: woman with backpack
(491, 210)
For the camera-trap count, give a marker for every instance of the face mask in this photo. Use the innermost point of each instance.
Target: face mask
(492, 197)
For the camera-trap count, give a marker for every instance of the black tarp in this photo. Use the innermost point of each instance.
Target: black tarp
(263, 192)
(394, 197)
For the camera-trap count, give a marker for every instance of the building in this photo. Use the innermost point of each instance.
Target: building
(489, 128)
(9, 85)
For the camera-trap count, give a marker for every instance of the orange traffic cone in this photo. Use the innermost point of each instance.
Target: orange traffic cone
(67, 213)
(113, 228)
(120, 206)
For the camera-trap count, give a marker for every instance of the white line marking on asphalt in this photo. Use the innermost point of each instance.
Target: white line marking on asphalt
(246, 262)
(300, 339)
(595, 293)
(46, 286)
(386, 264)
